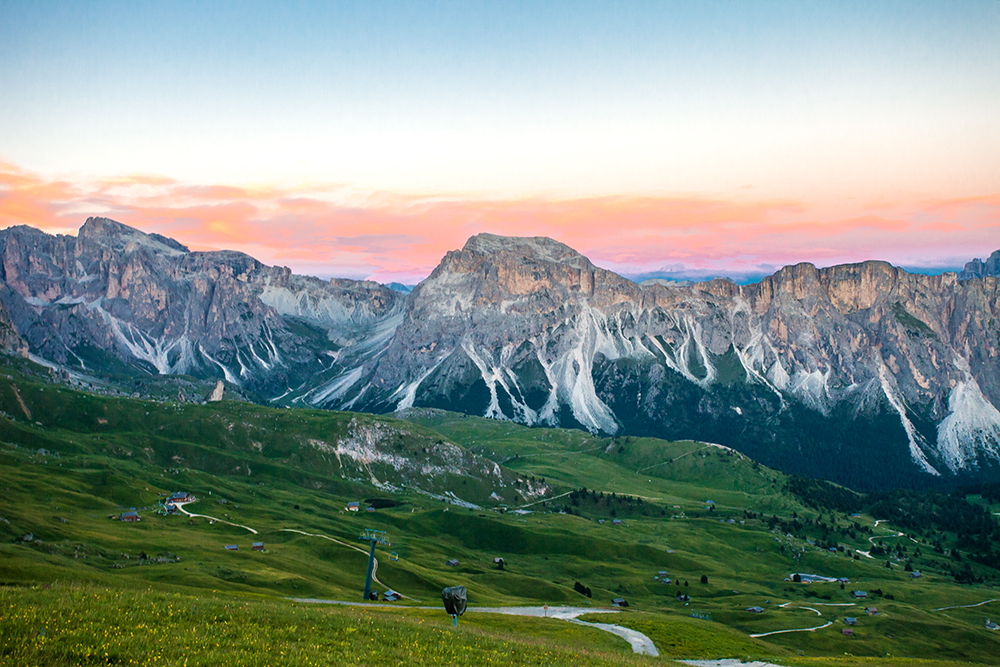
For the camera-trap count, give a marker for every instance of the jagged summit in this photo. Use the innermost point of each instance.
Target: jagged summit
(528, 247)
(980, 269)
(862, 373)
(106, 230)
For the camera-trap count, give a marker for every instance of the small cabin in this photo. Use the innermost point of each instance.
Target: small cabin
(391, 596)
(353, 506)
(755, 610)
(990, 625)
(499, 562)
(452, 563)
(858, 595)
(131, 516)
(843, 580)
(915, 575)
(258, 546)
(616, 522)
(619, 602)
(848, 632)
(681, 597)
(232, 547)
(850, 620)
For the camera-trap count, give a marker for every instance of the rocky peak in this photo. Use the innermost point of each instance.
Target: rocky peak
(105, 231)
(980, 269)
(537, 248)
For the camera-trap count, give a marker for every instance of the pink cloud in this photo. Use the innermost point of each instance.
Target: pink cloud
(324, 229)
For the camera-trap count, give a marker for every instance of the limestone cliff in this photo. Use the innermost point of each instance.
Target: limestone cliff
(113, 298)
(530, 330)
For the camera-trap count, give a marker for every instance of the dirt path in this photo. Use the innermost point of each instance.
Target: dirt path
(639, 642)
(544, 500)
(180, 506)
(778, 632)
(964, 606)
(17, 395)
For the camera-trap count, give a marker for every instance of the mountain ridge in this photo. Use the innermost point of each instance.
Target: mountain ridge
(824, 371)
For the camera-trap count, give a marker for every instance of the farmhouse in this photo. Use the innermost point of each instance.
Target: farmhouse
(131, 516)
(181, 497)
(848, 631)
(857, 595)
(353, 506)
(850, 620)
(258, 546)
(871, 611)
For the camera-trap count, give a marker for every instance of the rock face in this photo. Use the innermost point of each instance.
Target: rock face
(10, 341)
(217, 392)
(979, 269)
(116, 299)
(863, 373)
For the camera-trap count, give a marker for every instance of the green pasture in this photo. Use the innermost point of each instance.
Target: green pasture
(165, 590)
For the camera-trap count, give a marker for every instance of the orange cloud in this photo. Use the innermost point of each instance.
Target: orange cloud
(330, 230)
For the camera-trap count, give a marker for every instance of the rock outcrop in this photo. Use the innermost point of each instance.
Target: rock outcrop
(812, 369)
(861, 373)
(116, 299)
(980, 269)
(10, 341)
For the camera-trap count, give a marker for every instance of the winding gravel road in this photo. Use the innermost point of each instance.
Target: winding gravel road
(639, 642)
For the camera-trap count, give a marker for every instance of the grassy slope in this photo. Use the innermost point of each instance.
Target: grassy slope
(546, 553)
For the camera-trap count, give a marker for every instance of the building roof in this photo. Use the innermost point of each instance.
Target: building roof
(232, 547)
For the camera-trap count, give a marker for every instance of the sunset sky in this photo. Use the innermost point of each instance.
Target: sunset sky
(366, 139)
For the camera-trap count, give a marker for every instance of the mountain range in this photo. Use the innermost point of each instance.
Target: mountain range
(862, 373)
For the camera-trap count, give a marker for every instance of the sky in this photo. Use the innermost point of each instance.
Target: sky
(366, 139)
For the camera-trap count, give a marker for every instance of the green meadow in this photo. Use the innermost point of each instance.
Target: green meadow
(88, 588)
